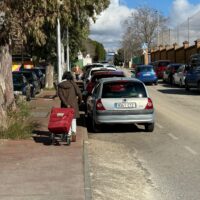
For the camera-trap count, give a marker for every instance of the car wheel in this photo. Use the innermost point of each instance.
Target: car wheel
(28, 96)
(173, 81)
(180, 83)
(95, 127)
(198, 86)
(156, 83)
(187, 88)
(149, 127)
(33, 93)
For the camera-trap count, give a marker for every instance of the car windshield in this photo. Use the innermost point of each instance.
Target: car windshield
(145, 69)
(163, 63)
(123, 89)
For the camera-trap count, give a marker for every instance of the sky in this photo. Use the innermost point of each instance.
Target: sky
(108, 29)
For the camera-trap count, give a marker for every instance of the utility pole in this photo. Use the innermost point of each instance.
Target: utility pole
(59, 50)
(158, 27)
(188, 29)
(68, 62)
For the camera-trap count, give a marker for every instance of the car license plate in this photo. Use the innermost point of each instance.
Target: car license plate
(125, 105)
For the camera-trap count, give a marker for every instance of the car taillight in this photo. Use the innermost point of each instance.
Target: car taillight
(149, 104)
(99, 105)
(89, 87)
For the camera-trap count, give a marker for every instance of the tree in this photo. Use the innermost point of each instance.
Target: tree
(119, 57)
(95, 49)
(32, 24)
(142, 27)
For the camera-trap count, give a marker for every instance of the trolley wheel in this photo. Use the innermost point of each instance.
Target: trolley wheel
(68, 139)
(52, 138)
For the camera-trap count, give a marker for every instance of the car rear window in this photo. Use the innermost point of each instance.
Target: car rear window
(125, 89)
(164, 63)
(145, 69)
(96, 78)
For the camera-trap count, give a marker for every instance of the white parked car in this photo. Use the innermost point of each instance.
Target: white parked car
(120, 101)
(179, 76)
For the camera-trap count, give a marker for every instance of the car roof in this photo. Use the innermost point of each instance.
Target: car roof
(140, 66)
(104, 80)
(103, 68)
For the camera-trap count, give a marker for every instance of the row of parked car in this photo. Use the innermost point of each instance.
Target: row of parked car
(28, 82)
(113, 98)
(187, 75)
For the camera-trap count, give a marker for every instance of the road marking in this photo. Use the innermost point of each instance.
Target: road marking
(159, 126)
(172, 136)
(190, 150)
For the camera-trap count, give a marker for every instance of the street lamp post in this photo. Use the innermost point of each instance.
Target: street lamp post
(68, 63)
(59, 50)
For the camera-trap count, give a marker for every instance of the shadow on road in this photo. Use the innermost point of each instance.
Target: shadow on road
(41, 137)
(179, 91)
(118, 128)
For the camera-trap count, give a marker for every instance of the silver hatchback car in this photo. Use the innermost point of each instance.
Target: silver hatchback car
(120, 101)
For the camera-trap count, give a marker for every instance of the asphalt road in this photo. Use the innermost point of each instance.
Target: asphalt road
(127, 163)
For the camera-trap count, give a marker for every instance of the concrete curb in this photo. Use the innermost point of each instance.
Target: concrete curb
(87, 181)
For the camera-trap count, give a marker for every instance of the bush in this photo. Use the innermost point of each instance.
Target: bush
(19, 124)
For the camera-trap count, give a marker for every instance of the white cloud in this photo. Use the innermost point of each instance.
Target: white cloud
(181, 10)
(108, 28)
(184, 15)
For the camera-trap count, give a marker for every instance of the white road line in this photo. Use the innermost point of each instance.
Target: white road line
(159, 126)
(172, 136)
(190, 150)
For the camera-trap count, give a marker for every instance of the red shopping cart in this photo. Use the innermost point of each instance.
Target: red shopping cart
(59, 124)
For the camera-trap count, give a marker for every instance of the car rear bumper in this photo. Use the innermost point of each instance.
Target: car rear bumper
(124, 119)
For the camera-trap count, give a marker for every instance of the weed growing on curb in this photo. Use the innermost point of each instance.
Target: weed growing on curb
(19, 124)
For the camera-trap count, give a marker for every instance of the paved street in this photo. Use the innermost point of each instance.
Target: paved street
(127, 163)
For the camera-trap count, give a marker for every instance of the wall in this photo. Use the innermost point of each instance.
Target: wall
(175, 53)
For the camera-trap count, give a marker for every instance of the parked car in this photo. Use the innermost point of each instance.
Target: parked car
(39, 74)
(102, 74)
(33, 80)
(120, 101)
(160, 66)
(90, 72)
(192, 78)
(21, 85)
(146, 74)
(179, 76)
(194, 60)
(170, 71)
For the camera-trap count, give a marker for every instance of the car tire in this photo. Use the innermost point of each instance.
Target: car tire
(198, 86)
(95, 127)
(88, 124)
(28, 97)
(149, 127)
(180, 83)
(33, 93)
(156, 83)
(187, 88)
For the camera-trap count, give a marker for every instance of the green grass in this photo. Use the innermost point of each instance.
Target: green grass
(20, 125)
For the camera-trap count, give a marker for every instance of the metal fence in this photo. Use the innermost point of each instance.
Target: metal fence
(189, 31)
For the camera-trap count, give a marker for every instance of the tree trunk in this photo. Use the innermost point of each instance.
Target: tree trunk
(49, 77)
(6, 85)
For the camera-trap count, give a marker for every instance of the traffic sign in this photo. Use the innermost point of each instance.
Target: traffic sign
(144, 46)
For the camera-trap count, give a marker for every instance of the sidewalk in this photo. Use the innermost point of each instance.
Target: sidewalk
(34, 170)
